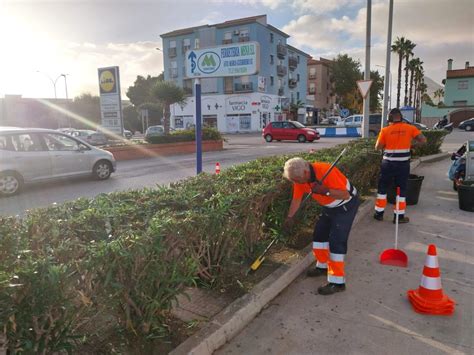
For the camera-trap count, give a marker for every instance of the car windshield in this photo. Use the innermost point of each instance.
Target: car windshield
(297, 124)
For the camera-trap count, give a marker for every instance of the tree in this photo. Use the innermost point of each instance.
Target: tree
(294, 108)
(408, 53)
(399, 47)
(167, 93)
(140, 91)
(131, 119)
(413, 65)
(87, 106)
(376, 91)
(438, 94)
(345, 72)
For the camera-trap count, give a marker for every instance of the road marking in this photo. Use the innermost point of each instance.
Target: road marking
(442, 253)
(420, 337)
(448, 220)
(444, 237)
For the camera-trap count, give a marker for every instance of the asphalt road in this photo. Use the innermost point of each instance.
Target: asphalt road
(150, 172)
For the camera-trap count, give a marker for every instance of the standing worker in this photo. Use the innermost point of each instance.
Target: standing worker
(396, 141)
(340, 203)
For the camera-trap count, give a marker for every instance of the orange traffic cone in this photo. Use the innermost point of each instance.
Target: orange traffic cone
(218, 168)
(430, 298)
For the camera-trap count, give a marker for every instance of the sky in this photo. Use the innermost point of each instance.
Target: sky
(43, 39)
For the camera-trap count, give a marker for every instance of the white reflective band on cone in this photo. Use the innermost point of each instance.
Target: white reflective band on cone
(336, 279)
(432, 261)
(431, 283)
(321, 265)
(318, 245)
(379, 209)
(381, 197)
(336, 257)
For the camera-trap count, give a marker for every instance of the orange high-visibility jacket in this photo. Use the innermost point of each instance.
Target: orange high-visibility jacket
(397, 140)
(335, 180)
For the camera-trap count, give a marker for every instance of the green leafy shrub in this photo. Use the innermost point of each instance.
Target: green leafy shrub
(433, 145)
(122, 258)
(208, 134)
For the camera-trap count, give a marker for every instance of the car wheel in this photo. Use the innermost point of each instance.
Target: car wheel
(301, 138)
(102, 170)
(10, 183)
(268, 138)
(468, 128)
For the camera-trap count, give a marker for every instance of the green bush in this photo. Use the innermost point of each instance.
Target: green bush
(433, 144)
(124, 257)
(186, 136)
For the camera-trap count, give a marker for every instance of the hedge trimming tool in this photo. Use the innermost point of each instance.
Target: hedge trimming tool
(256, 264)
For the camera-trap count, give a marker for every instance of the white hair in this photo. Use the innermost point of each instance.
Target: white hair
(295, 168)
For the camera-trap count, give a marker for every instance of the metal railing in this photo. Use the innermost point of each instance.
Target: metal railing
(281, 70)
(172, 52)
(281, 50)
(247, 87)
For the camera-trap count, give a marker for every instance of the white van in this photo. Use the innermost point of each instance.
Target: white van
(32, 155)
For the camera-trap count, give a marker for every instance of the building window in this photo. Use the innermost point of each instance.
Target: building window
(271, 37)
(196, 43)
(272, 60)
(297, 77)
(292, 97)
(298, 96)
(186, 45)
(463, 85)
(244, 35)
(312, 73)
(172, 44)
(460, 103)
(298, 59)
(227, 38)
(174, 69)
(312, 88)
(272, 80)
(279, 41)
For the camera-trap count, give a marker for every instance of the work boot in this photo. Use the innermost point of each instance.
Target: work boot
(316, 271)
(331, 288)
(401, 219)
(378, 216)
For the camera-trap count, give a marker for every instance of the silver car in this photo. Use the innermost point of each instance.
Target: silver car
(89, 136)
(34, 155)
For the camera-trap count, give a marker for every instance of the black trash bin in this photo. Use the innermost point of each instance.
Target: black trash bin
(466, 196)
(413, 190)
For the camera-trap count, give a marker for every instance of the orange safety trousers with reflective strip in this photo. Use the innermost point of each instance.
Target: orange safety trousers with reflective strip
(333, 262)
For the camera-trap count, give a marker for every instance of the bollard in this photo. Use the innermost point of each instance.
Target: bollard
(218, 168)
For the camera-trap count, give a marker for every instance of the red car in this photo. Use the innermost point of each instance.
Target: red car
(289, 131)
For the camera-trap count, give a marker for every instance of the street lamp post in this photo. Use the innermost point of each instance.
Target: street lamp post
(54, 82)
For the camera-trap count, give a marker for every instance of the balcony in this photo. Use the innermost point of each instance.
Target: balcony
(247, 87)
(227, 41)
(312, 76)
(292, 83)
(281, 70)
(292, 62)
(312, 91)
(281, 51)
(172, 52)
(244, 39)
(281, 91)
(173, 72)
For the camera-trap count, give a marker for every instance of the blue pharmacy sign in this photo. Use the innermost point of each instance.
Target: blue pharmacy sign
(230, 60)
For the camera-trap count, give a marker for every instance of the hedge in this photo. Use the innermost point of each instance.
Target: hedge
(433, 145)
(67, 271)
(185, 136)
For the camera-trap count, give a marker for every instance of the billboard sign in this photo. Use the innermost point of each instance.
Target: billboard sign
(236, 59)
(110, 100)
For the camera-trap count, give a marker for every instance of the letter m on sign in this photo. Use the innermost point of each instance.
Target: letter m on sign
(208, 61)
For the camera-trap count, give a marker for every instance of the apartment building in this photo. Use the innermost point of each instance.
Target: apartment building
(239, 103)
(320, 89)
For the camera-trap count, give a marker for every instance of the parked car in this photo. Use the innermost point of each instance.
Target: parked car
(91, 137)
(154, 131)
(289, 130)
(332, 120)
(420, 126)
(127, 134)
(352, 121)
(34, 155)
(467, 125)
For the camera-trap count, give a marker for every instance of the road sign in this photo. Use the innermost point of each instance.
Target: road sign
(344, 112)
(230, 60)
(364, 87)
(110, 100)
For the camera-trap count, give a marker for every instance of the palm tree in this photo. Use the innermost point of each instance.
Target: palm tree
(420, 86)
(294, 108)
(438, 94)
(167, 93)
(413, 65)
(400, 48)
(409, 46)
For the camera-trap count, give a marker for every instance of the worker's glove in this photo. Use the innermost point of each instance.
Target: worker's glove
(288, 224)
(319, 189)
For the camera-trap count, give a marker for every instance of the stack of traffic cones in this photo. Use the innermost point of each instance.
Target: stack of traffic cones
(218, 168)
(430, 298)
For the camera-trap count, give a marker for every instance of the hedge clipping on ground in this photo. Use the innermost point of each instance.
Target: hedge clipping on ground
(68, 272)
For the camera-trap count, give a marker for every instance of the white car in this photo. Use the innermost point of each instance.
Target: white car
(34, 155)
(89, 136)
(352, 121)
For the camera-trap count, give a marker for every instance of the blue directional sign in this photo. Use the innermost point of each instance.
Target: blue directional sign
(344, 112)
(230, 60)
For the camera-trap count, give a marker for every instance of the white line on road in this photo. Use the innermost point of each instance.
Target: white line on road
(444, 237)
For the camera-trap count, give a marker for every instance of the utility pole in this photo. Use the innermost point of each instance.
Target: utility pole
(365, 122)
(387, 83)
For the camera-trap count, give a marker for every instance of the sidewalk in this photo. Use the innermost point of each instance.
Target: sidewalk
(374, 316)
